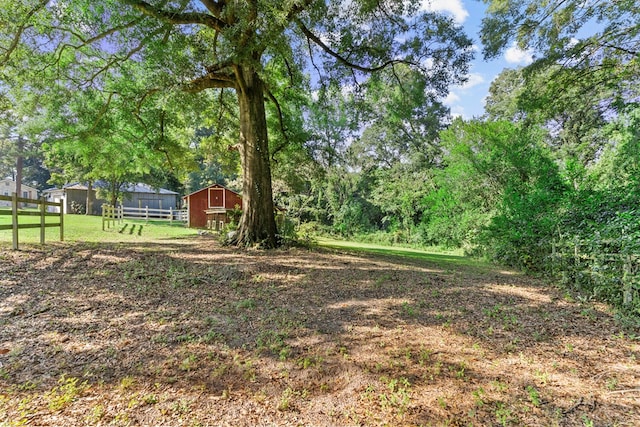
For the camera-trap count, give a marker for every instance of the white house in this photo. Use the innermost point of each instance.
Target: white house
(8, 187)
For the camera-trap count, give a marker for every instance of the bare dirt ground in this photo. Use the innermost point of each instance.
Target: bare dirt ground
(189, 333)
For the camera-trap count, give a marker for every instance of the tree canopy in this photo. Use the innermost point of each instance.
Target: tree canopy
(591, 46)
(555, 29)
(191, 46)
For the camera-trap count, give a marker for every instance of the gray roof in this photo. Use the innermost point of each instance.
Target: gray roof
(72, 186)
(129, 188)
(145, 188)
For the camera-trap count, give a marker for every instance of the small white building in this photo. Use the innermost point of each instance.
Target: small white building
(8, 187)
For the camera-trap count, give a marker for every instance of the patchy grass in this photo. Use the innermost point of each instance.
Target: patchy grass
(84, 228)
(186, 332)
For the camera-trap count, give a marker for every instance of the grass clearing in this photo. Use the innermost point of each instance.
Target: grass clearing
(87, 228)
(434, 255)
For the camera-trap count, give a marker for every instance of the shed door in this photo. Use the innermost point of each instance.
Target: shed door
(216, 197)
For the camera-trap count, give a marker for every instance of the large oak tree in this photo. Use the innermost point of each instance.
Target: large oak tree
(194, 46)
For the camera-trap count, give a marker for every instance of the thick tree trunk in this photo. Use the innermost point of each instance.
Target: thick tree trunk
(257, 224)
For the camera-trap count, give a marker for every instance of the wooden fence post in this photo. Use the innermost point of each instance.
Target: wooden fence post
(14, 218)
(576, 262)
(627, 279)
(554, 259)
(170, 215)
(42, 208)
(61, 220)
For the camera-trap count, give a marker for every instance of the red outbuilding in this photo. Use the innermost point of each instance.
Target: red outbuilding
(211, 207)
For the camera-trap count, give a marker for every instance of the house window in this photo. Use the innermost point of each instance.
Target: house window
(25, 194)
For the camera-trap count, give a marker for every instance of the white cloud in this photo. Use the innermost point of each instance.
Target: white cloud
(456, 92)
(454, 7)
(458, 111)
(451, 99)
(475, 79)
(515, 55)
(460, 98)
(427, 63)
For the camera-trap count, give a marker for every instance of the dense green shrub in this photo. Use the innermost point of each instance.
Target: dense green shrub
(598, 238)
(597, 248)
(497, 194)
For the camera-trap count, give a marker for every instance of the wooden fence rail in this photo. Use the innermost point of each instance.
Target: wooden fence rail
(575, 255)
(111, 214)
(41, 212)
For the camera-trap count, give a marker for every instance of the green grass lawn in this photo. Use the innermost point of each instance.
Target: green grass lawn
(428, 254)
(89, 229)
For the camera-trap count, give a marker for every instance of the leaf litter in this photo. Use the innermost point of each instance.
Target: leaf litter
(194, 333)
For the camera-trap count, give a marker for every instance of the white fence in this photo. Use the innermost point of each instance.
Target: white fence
(111, 214)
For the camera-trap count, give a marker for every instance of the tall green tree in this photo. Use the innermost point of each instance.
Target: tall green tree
(20, 141)
(554, 28)
(401, 121)
(590, 45)
(399, 147)
(500, 189)
(226, 44)
(504, 99)
(110, 138)
(572, 114)
(619, 165)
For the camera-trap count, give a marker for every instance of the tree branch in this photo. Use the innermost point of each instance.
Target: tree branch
(313, 62)
(211, 81)
(116, 60)
(101, 113)
(175, 18)
(98, 37)
(18, 35)
(94, 39)
(282, 127)
(297, 9)
(215, 7)
(345, 61)
(148, 93)
(240, 83)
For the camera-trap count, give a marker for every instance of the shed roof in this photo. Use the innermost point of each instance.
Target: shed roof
(212, 186)
(130, 188)
(145, 188)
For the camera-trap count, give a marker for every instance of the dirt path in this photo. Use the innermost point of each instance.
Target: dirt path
(193, 334)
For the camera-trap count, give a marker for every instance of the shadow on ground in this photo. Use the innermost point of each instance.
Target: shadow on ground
(191, 333)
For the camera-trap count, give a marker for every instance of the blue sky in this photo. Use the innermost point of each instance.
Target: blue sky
(468, 100)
